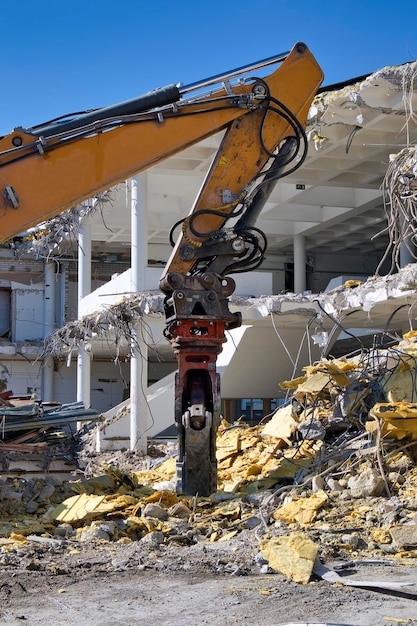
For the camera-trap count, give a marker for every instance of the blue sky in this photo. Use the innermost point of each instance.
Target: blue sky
(63, 56)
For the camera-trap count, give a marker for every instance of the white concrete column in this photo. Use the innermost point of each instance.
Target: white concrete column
(139, 358)
(84, 260)
(84, 288)
(49, 325)
(299, 264)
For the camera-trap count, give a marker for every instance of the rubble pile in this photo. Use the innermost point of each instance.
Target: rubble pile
(332, 475)
(37, 437)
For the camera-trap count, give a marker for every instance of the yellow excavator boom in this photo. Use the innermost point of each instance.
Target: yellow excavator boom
(49, 168)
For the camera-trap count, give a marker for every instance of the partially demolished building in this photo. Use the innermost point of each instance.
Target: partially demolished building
(317, 450)
(349, 214)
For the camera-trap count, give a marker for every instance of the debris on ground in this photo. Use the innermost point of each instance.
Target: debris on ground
(332, 475)
(37, 437)
(293, 555)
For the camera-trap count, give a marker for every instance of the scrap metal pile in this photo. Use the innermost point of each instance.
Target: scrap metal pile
(332, 474)
(36, 437)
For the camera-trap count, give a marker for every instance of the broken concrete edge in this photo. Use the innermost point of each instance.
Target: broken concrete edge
(399, 287)
(329, 106)
(118, 318)
(376, 289)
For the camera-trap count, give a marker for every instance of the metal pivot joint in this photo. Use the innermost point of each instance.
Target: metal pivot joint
(197, 316)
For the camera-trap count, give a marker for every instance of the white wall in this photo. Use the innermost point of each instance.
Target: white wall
(161, 405)
(27, 312)
(259, 362)
(107, 384)
(23, 377)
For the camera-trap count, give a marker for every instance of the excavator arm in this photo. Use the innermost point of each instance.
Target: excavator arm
(49, 168)
(258, 148)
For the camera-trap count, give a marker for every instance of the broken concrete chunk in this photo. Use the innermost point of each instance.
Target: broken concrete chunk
(369, 482)
(229, 510)
(317, 484)
(312, 429)
(155, 537)
(334, 485)
(404, 536)
(252, 522)
(93, 533)
(283, 423)
(398, 386)
(85, 507)
(304, 510)
(293, 556)
(180, 510)
(350, 541)
(389, 411)
(64, 530)
(156, 511)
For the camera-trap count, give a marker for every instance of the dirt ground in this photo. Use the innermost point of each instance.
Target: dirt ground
(64, 582)
(116, 545)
